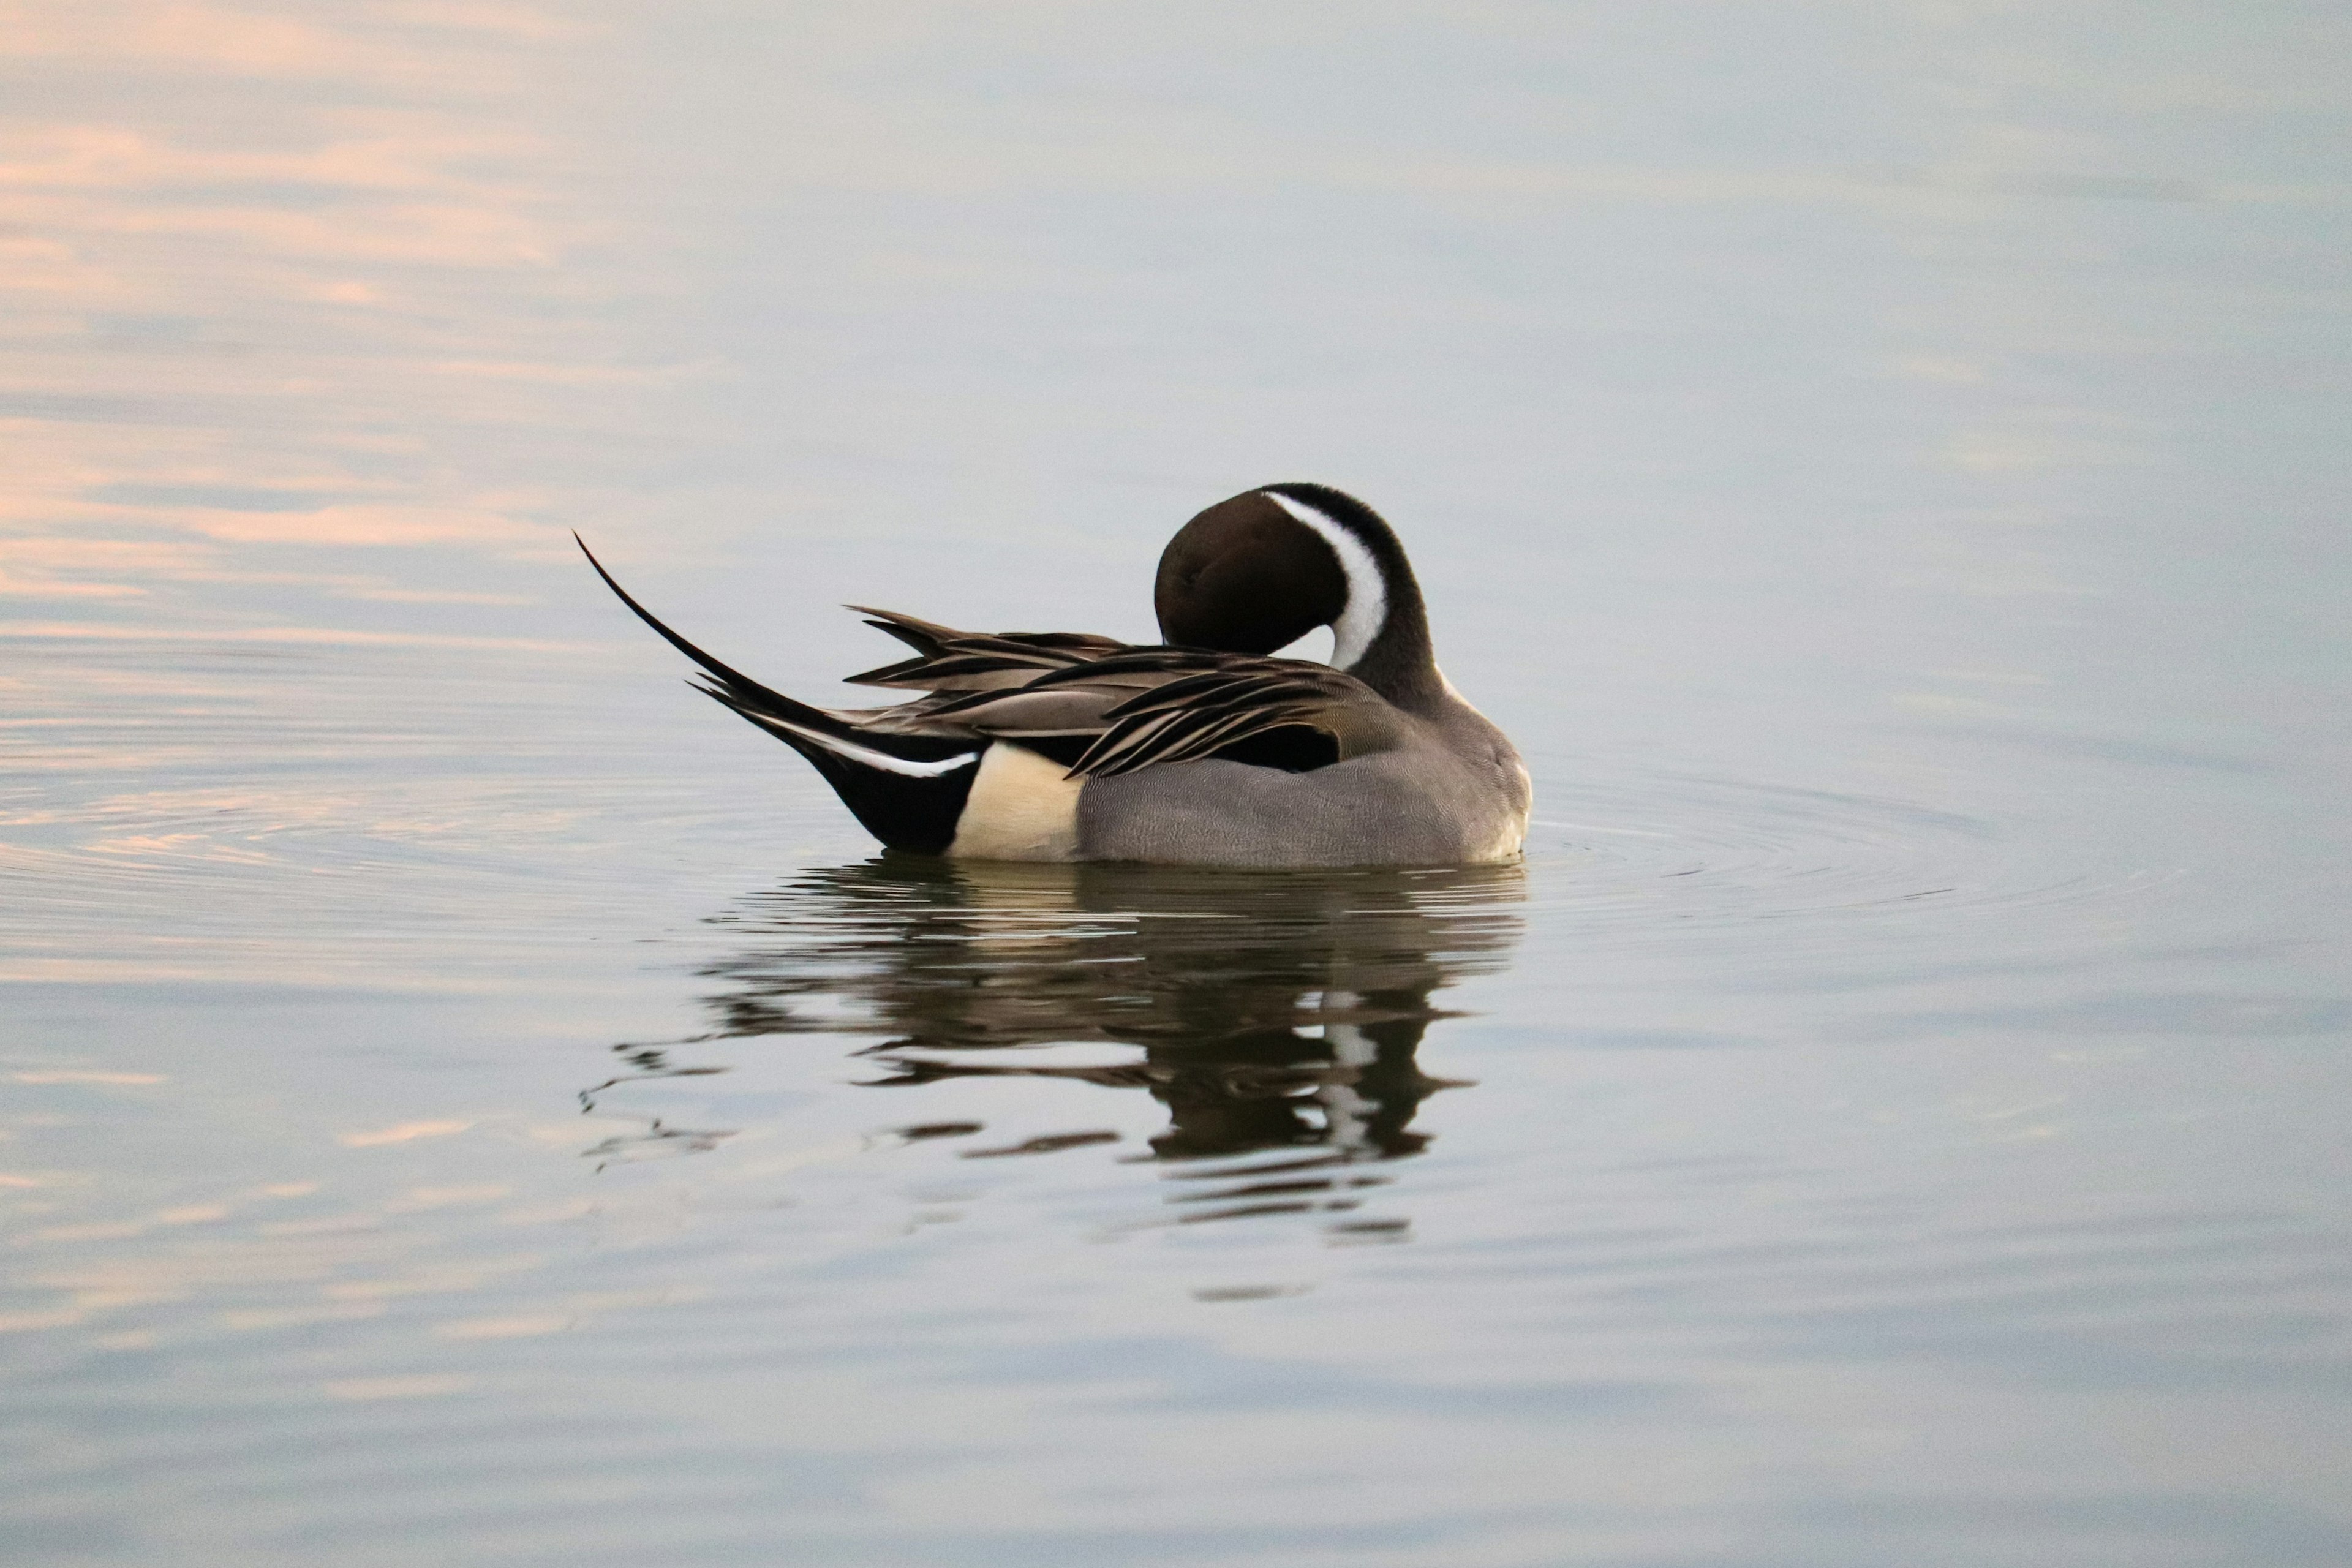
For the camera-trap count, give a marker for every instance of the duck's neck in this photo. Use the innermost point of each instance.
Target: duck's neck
(1382, 637)
(1399, 663)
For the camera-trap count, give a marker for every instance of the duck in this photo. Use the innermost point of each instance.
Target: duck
(1204, 750)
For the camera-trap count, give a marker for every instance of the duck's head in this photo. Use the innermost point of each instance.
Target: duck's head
(1258, 572)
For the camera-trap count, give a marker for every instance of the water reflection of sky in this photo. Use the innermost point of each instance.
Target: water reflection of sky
(322, 315)
(1883, 465)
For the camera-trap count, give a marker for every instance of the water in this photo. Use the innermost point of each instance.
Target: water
(467, 1099)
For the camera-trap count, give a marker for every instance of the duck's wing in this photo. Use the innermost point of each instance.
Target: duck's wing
(1143, 707)
(950, 660)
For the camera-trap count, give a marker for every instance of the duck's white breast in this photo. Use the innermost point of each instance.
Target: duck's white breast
(1020, 809)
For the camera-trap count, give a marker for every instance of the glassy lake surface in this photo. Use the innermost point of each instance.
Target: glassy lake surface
(464, 1098)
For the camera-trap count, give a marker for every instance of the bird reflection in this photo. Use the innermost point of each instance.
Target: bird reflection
(1273, 1010)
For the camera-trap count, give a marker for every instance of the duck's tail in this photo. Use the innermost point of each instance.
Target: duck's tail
(908, 790)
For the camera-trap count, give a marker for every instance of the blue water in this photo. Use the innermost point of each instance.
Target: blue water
(464, 1098)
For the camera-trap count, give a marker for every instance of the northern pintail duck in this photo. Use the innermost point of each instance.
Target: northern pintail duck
(1204, 751)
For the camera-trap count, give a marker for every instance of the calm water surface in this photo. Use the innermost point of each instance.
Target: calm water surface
(464, 1100)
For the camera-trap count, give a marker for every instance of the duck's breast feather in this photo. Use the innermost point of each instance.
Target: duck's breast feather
(1022, 806)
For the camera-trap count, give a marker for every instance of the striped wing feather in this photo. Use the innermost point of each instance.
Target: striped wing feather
(1136, 707)
(1201, 715)
(950, 660)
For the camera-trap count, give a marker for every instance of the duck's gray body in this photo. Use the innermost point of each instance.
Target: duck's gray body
(1202, 752)
(1459, 798)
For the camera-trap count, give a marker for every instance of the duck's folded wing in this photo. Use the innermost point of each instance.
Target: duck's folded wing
(1144, 707)
(1210, 714)
(950, 660)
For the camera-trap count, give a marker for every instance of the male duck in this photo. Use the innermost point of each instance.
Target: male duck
(1063, 746)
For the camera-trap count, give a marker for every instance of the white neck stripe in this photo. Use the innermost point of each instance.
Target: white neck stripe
(1367, 609)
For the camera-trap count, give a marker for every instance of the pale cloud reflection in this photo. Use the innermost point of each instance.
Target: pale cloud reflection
(238, 334)
(390, 41)
(421, 1385)
(182, 33)
(63, 1075)
(53, 567)
(425, 597)
(406, 1132)
(323, 636)
(365, 525)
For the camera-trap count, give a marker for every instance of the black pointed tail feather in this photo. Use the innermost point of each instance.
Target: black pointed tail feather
(908, 791)
(735, 680)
